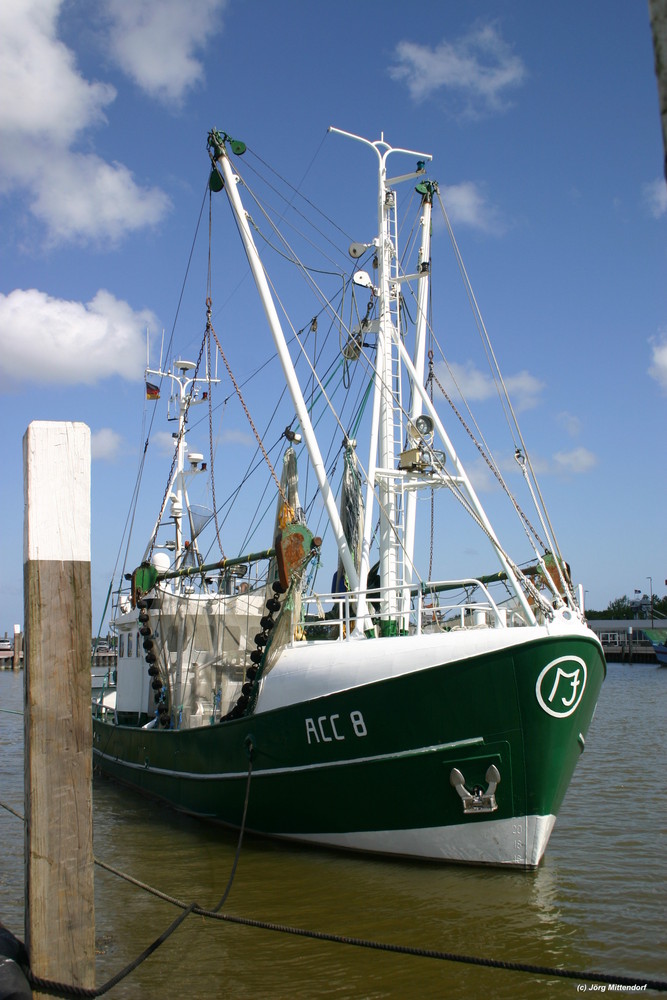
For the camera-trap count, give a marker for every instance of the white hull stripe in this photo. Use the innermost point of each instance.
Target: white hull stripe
(519, 842)
(269, 772)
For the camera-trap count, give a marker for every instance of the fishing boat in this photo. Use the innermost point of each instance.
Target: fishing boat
(331, 687)
(658, 638)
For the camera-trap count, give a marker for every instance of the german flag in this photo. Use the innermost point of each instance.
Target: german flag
(152, 391)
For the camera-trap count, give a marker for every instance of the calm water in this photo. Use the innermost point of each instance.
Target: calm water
(599, 902)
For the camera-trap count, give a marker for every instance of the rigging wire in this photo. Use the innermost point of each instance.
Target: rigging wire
(455, 489)
(336, 311)
(298, 193)
(129, 522)
(486, 454)
(504, 397)
(433, 378)
(327, 304)
(282, 218)
(208, 371)
(485, 451)
(247, 413)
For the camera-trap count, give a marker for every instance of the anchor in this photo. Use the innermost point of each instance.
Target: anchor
(477, 800)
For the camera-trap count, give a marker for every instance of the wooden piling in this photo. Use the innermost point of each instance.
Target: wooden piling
(60, 917)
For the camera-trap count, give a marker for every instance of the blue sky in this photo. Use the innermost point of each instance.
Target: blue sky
(544, 127)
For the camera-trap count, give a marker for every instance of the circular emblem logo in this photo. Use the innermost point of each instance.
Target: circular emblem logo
(560, 686)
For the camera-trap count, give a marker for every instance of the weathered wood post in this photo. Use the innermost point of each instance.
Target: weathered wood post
(60, 917)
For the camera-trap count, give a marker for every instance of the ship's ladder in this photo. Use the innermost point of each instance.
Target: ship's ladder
(396, 396)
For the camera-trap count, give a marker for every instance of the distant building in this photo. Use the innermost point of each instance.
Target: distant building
(624, 638)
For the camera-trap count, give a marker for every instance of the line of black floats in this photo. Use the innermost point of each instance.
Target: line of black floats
(261, 639)
(159, 691)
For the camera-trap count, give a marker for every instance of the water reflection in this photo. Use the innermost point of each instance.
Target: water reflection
(598, 902)
(507, 915)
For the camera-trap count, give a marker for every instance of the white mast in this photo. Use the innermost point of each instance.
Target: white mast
(183, 387)
(397, 540)
(387, 415)
(424, 267)
(386, 432)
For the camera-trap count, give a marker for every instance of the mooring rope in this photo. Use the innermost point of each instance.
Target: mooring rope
(65, 990)
(69, 990)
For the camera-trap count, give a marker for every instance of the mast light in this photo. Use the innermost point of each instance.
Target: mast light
(421, 427)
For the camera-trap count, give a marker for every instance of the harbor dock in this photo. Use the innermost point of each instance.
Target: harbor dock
(624, 640)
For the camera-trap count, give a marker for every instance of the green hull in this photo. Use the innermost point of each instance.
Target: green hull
(370, 767)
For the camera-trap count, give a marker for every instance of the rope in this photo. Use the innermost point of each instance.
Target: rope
(432, 377)
(504, 397)
(539, 970)
(210, 409)
(129, 521)
(60, 989)
(298, 192)
(8, 807)
(67, 990)
(230, 882)
(528, 585)
(247, 413)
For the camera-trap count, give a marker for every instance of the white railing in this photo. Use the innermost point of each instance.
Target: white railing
(333, 616)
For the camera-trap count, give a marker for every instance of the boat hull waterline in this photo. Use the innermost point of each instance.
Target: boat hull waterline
(400, 766)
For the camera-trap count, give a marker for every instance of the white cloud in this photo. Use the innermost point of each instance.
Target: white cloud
(155, 42)
(46, 107)
(570, 423)
(479, 67)
(655, 197)
(467, 205)
(481, 477)
(658, 368)
(236, 435)
(41, 93)
(105, 444)
(477, 386)
(90, 200)
(54, 341)
(164, 442)
(576, 461)
(524, 390)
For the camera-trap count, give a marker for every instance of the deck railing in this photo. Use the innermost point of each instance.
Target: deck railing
(334, 616)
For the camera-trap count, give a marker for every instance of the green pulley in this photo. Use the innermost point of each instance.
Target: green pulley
(238, 147)
(215, 181)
